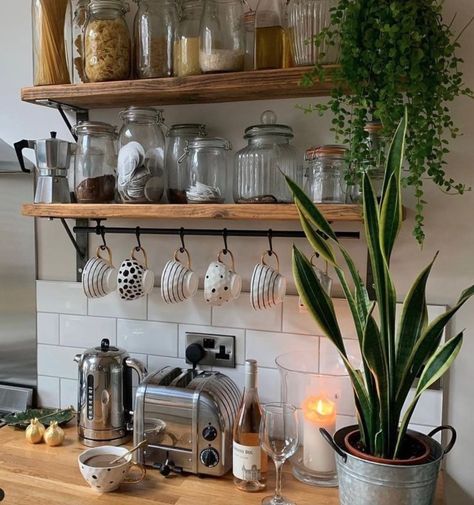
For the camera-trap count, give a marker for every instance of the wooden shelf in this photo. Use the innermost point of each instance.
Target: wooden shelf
(259, 212)
(206, 88)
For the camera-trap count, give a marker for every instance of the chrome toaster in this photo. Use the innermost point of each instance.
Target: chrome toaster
(187, 417)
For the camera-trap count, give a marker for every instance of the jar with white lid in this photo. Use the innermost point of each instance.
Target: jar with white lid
(258, 167)
(326, 174)
(141, 173)
(206, 162)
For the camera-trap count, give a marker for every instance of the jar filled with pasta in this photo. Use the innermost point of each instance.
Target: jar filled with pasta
(107, 42)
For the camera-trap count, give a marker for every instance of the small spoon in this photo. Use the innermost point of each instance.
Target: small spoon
(138, 446)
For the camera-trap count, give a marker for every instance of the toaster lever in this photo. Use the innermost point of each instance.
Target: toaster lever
(168, 467)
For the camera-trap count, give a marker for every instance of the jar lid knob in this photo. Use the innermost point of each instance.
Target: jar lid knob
(268, 117)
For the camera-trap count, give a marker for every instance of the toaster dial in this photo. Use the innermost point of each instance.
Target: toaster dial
(209, 457)
(209, 433)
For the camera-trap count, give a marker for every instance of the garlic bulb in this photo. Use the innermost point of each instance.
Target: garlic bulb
(35, 431)
(54, 435)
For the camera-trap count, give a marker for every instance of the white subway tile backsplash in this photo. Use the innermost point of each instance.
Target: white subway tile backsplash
(265, 347)
(61, 297)
(269, 385)
(84, 331)
(113, 306)
(429, 410)
(213, 330)
(239, 314)
(48, 392)
(68, 393)
(148, 337)
(192, 311)
(156, 363)
(47, 328)
(55, 361)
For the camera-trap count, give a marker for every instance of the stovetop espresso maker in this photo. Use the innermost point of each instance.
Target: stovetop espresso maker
(53, 157)
(105, 394)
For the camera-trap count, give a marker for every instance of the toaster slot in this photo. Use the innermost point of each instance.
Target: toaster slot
(183, 380)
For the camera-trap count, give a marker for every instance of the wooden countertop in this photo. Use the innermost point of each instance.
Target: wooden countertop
(44, 475)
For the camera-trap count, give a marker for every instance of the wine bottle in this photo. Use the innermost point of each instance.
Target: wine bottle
(249, 461)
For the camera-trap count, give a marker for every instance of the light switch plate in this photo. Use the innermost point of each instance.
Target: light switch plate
(219, 349)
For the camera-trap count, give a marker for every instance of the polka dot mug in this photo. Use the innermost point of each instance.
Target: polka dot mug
(134, 279)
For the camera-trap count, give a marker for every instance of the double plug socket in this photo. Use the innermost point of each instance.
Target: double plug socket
(210, 349)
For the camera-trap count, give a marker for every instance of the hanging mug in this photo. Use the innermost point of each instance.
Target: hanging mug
(99, 277)
(178, 281)
(267, 285)
(134, 279)
(222, 284)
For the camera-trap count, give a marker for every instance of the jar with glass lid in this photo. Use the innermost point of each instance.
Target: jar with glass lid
(258, 166)
(95, 162)
(186, 44)
(206, 162)
(178, 177)
(222, 36)
(107, 43)
(326, 173)
(140, 169)
(155, 27)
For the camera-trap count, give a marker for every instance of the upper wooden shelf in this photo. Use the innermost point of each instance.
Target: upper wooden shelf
(206, 88)
(260, 212)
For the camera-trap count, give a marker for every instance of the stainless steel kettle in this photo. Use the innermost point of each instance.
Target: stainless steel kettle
(53, 157)
(105, 394)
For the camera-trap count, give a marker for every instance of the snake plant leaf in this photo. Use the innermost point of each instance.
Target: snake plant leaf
(434, 369)
(308, 209)
(391, 217)
(413, 320)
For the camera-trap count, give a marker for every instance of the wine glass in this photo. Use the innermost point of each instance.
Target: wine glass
(279, 439)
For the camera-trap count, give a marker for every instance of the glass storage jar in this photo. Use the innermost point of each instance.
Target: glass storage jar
(326, 176)
(269, 34)
(249, 26)
(222, 36)
(140, 169)
(95, 162)
(154, 32)
(206, 162)
(186, 45)
(51, 42)
(107, 42)
(81, 9)
(258, 167)
(306, 20)
(178, 177)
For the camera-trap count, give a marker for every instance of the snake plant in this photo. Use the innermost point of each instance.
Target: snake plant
(393, 356)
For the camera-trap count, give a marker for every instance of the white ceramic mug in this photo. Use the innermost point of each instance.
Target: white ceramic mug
(178, 281)
(267, 285)
(105, 479)
(99, 277)
(134, 279)
(222, 284)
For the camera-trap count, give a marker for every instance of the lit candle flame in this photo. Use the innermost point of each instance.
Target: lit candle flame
(318, 409)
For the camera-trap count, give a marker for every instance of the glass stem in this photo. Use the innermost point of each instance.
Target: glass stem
(278, 470)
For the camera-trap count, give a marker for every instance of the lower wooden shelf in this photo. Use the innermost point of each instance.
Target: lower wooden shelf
(250, 212)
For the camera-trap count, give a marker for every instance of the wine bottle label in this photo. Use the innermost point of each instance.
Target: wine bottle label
(247, 462)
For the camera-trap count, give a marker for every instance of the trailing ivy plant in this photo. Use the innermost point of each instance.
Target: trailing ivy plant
(392, 54)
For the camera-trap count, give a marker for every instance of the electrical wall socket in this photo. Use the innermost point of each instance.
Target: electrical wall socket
(219, 350)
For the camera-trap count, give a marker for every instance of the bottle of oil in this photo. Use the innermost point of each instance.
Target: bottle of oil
(269, 35)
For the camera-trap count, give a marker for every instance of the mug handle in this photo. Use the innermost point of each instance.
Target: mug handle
(129, 480)
(107, 249)
(219, 258)
(273, 253)
(183, 251)
(140, 249)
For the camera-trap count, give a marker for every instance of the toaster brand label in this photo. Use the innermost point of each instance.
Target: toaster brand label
(247, 461)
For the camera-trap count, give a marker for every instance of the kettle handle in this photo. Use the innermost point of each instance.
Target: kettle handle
(138, 366)
(19, 146)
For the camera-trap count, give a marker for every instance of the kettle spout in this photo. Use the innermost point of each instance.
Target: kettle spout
(138, 366)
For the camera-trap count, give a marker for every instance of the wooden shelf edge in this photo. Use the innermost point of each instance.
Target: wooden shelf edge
(258, 212)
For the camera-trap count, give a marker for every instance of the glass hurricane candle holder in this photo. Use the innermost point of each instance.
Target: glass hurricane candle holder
(316, 397)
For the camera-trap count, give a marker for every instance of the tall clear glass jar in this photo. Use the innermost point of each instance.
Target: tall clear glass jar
(327, 171)
(52, 50)
(258, 167)
(95, 162)
(178, 177)
(107, 43)
(306, 20)
(249, 25)
(81, 9)
(186, 45)
(207, 161)
(269, 34)
(222, 36)
(155, 27)
(141, 174)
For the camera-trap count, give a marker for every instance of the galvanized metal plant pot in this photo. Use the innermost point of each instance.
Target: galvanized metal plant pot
(363, 482)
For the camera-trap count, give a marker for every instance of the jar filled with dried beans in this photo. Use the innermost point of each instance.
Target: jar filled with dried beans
(107, 43)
